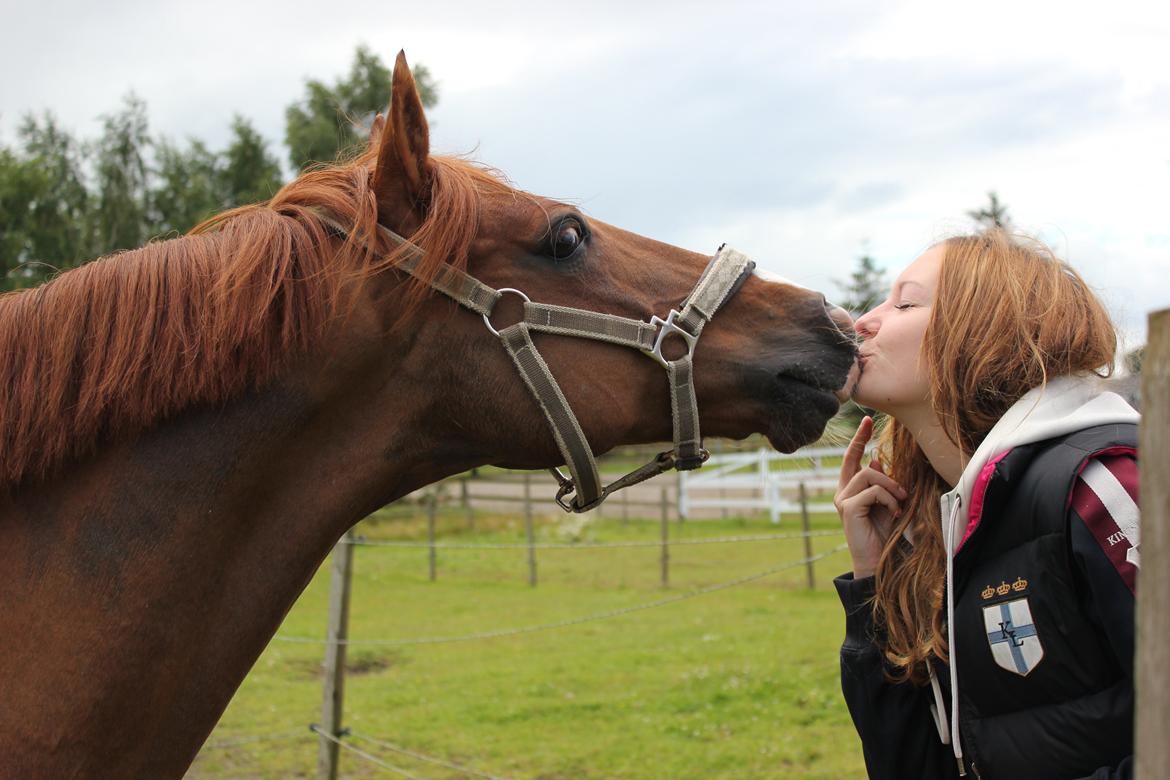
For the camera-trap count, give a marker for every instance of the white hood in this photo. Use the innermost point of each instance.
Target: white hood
(1066, 404)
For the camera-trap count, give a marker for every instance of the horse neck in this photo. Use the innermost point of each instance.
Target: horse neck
(144, 586)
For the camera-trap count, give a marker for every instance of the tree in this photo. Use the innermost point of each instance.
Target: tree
(1134, 358)
(249, 173)
(866, 287)
(58, 218)
(187, 187)
(20, 186)
(120, 173)
(44, 205)
(332, 121)
(993, 215)
(190, 185)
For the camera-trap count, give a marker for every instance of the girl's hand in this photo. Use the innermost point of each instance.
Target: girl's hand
(867, 500)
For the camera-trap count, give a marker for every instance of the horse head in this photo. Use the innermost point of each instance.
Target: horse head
(777, 359)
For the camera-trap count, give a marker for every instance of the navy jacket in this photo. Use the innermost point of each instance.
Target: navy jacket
(1044, 636)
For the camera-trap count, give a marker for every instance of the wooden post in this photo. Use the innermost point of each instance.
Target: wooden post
(431, 553)
(529, 530)
(765, 493)
(336, 634)
(1152, 683)
(804, 524)
(465, 498)
(665, 541)
(723, 512)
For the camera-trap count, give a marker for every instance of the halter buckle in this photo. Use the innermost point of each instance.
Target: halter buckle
(665, 328)
(566, 487)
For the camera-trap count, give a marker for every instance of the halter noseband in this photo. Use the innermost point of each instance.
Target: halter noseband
(722, 277)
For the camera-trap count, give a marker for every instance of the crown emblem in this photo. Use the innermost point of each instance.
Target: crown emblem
(988, 592)
(1019, 584)
(1003, 588)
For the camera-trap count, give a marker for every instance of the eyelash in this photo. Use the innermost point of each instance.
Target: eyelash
(903, 306)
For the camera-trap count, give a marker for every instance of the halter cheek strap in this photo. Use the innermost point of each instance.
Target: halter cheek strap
(583, 490)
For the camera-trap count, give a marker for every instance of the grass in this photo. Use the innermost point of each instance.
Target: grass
(740, 683)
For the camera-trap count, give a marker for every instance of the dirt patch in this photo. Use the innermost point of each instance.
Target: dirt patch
(356, 663)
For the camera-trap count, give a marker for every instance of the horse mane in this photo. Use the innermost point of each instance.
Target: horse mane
(110, 349)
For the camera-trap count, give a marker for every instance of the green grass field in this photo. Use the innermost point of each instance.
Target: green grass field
(739, 683)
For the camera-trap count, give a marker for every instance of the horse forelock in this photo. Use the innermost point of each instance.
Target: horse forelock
(110, 349)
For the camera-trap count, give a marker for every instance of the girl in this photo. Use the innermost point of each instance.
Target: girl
(994, 537)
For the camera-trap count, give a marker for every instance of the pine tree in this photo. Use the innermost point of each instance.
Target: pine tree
(866, 287)
(993, 215)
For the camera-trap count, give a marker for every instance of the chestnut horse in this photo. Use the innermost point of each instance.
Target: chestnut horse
(188, 428)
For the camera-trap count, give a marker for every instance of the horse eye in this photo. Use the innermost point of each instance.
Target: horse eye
(569, 235)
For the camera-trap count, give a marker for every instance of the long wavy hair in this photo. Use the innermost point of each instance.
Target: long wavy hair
(1008, 316)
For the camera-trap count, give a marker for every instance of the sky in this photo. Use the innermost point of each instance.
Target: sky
(804, 134)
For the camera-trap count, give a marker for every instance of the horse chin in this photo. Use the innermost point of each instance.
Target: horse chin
(800, 413)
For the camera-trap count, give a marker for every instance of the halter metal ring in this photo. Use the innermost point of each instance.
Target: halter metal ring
(665, 328)
(502, 290)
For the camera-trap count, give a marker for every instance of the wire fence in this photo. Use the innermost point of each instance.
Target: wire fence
(569, 621)
(373, 751)
(359, 541)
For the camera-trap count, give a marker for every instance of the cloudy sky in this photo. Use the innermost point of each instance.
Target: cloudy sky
(802, 133)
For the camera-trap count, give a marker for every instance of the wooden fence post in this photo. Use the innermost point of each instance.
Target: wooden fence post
(804, 524)
(1152, 683)
(432, 497)
(336, 634)
(465, 498)
(665, 541)
(762, 470)
(529, 530)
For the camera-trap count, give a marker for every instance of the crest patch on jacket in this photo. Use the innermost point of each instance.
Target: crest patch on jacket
(1015, 645)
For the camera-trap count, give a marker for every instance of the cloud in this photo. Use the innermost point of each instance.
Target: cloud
(799, 132)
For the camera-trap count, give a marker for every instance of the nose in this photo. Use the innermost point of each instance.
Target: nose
(844, 324)
(840, 318)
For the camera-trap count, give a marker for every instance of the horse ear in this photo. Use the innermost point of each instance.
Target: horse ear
(401, 183)
(376, 128)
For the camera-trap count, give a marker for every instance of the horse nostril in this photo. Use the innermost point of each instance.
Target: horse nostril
(840, 318)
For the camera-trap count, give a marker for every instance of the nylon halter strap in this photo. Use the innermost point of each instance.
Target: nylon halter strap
(583, 490)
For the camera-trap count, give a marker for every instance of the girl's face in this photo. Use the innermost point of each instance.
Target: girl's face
(894, 379)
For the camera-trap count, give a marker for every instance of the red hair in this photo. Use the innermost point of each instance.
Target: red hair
(1008, 315)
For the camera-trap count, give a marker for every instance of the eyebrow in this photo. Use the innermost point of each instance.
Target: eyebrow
(902, 285)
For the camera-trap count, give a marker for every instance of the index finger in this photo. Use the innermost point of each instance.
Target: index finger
(851, 463)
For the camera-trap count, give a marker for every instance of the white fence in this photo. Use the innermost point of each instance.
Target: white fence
(764, 481)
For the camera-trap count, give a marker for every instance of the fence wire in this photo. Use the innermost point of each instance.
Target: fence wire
(570, 621)
(359, 541)
(230, 743)
(423, 757)
(372, 759)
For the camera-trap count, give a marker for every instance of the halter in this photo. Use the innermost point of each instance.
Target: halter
(724, 274)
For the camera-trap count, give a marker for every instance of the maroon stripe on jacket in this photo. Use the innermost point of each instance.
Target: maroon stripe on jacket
(1101, 523)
